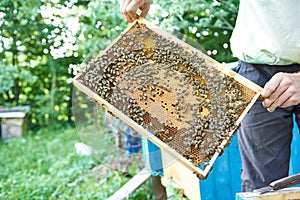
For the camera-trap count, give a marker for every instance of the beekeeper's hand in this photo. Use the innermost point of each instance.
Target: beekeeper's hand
(128, 8)
(282, 90)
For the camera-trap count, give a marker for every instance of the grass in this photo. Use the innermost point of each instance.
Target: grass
(44, 165)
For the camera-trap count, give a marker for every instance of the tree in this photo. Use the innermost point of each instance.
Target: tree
(31, 41)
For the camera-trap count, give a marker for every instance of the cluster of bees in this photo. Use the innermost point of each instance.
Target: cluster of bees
(174, 93)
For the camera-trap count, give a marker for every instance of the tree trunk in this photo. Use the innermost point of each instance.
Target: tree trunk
(16, 90)
(70, 113)
(52, 96)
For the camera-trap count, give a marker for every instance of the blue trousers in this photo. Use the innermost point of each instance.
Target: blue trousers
(264, 138)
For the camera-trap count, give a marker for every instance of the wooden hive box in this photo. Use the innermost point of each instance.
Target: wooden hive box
(183, 101)
(14, 121)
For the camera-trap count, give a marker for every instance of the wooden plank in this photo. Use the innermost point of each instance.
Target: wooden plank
(181, 176)
(131, 185)
(11, 131)
(13, 121)
(284, 194)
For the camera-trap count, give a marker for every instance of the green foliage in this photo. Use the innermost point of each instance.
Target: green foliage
(174, 193)
(30, 41)
(44, 165)
(42, 44)
(8, 74)
(208, 24)
(100, 23)
(7, 77)
(38, 52)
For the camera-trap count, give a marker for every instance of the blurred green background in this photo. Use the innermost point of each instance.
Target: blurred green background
(43, 45)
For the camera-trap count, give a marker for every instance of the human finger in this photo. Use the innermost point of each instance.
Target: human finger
(271, 85)
(283, 85)
(293, 100)
(123, 7)
(279, 101)
(145, 9)
(132, 7)
(122, 2)
(132, 15)
(126, 17)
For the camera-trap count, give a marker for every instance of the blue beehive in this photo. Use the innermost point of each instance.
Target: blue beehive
(224, 180)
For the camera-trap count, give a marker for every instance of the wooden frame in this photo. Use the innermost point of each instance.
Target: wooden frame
(201, 173)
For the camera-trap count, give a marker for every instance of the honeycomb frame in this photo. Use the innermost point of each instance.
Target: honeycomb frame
(180, 99)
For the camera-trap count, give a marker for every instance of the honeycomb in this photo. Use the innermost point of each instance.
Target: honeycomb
(184, 98)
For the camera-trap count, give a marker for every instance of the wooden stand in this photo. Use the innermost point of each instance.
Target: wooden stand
(284, 194)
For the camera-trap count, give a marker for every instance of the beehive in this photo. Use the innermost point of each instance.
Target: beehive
(182, 100)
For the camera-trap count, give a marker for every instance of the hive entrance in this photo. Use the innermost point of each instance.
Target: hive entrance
(178, 94)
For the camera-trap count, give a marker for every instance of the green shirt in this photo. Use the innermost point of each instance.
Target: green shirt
(267, 32)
